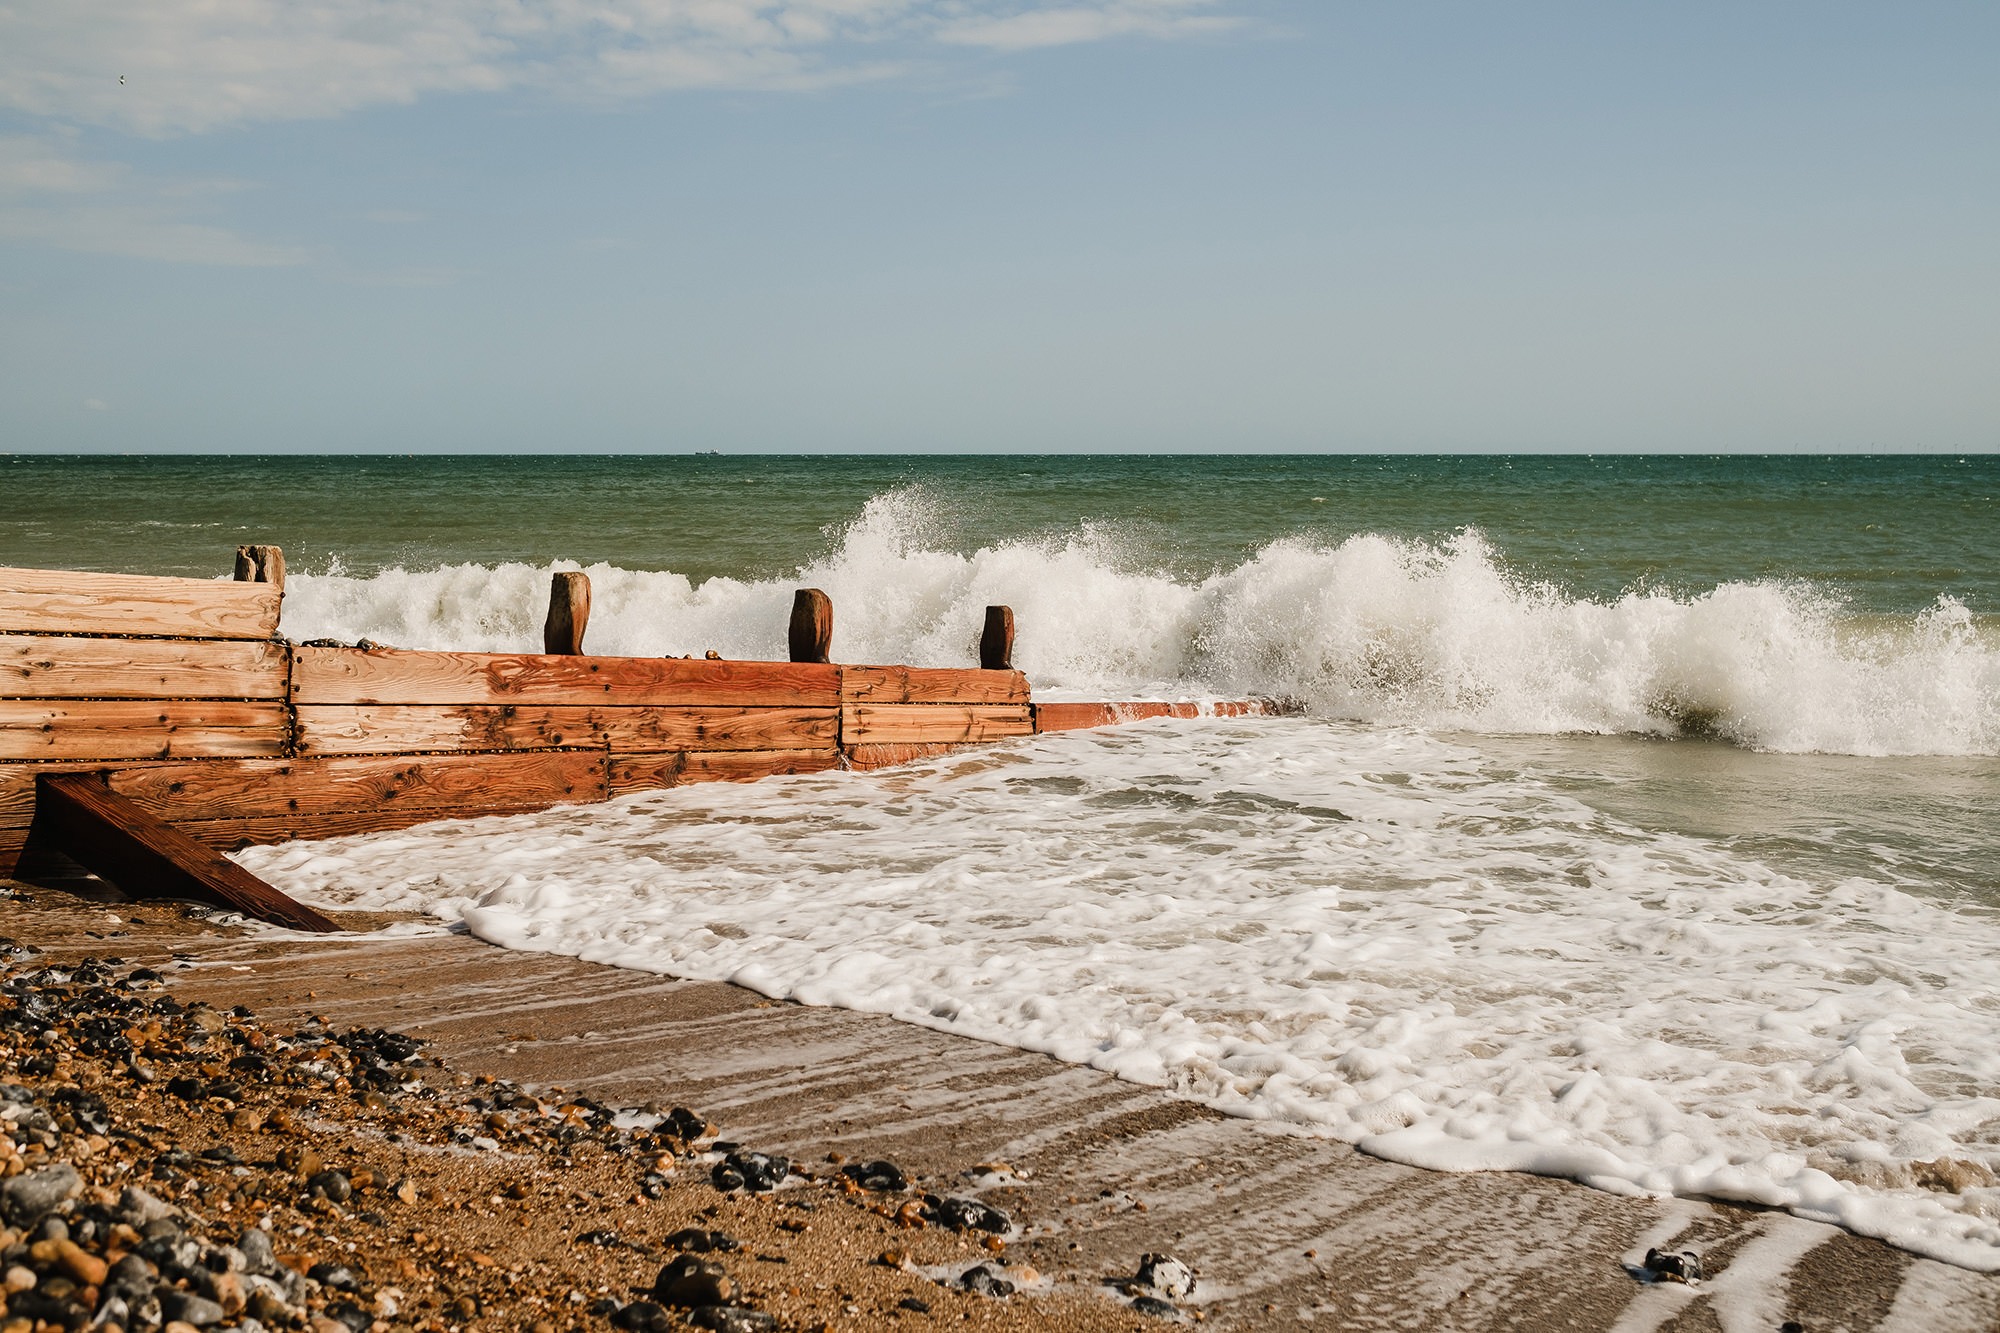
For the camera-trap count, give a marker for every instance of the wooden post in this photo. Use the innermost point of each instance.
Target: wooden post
(996, 643)
(569, 613)
(260, 564)
(812, 626)
(148, 858)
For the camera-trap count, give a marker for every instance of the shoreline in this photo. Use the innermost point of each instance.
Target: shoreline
(1286, 1231)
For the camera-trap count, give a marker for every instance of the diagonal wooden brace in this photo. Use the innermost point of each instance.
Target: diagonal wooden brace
(148, 858)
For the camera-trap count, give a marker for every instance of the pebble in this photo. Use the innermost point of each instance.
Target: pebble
(1166, 1275)
(690, 1282)
(1154, 1306)
(964, 1215)
(1668, 1266)
(983, 1281)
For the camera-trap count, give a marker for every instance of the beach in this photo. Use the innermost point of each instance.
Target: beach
(1608, 879)
(1092, 1173)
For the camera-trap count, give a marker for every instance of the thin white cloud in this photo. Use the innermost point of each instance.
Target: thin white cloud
(194, 65)
(49, 196)
(1071, 24)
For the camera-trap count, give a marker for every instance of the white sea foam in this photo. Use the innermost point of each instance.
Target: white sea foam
(1435, 635)
(1364, 930)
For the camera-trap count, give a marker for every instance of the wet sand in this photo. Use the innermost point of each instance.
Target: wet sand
(1287, 1231)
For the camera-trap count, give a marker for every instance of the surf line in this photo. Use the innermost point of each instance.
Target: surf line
(150, 725)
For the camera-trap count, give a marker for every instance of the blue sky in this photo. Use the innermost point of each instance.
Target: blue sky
(980, 225)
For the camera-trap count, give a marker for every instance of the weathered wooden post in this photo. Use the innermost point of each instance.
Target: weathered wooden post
(260, 564)
(812, 626)
(996, 643)
(569, 614)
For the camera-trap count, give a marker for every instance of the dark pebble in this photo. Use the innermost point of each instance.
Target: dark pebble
(352, 1315)
(330, 1185)
(696, 1241)
(883, 1176)
(641, 1317)
(912, 1303)
(964, 1215)
(1154, 1306)
(334, 1275)
(983, 1281)
(757, 1172)
(731, 1319)
(1682, 1267)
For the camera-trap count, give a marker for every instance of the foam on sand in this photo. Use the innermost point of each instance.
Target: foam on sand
(1366, 932)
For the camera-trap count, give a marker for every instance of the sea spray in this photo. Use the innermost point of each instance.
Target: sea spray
(1441, 635)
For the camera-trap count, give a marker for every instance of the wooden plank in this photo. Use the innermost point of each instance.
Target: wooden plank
(867, 758)
(17, 787)
(53, 667)
(400, 728)
(931, 685)
(70, 602)
(1069, 717)
(261, 788)
(12, 840)
(649, 772)
(229, 835)
(140, 729)
(146, 858)
(398, 676)
(894, 724)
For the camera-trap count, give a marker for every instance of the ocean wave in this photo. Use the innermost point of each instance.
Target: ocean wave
(1441, 635)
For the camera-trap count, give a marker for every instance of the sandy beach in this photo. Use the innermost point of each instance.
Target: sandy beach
(1090, 1173)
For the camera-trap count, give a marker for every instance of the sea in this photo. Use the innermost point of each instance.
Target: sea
(1637, 819)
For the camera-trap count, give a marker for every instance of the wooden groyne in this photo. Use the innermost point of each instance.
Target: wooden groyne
(196, 729)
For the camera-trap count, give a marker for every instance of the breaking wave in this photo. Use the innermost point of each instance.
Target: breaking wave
(1376, 629)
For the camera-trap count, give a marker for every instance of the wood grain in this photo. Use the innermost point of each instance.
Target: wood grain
(867, 758)
(809, 635)
(1070, 717)
(400, 676)
(898, 724)
(393, 728)
(258, 788)
(146, 858)
(569, 613)
(140, 729)
(51, 667)
(71, 602)
(933, 685)
(649, 772)
(228, 835)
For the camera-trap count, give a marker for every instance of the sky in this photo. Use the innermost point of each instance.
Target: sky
(779, 226)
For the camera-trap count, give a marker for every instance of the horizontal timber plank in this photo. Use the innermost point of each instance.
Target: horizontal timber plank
(1070, 717)
(17, 787)
(72, 602)
(54, 667)
(931, 685)
(393, 728)
(650, 772)
(140, 729)
(865, 758)
(228, 835)
(256, 788)
(898, 724)
(404, 676)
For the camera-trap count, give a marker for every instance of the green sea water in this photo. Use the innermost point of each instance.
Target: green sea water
(1888, 534)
